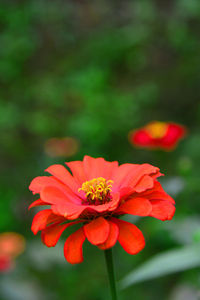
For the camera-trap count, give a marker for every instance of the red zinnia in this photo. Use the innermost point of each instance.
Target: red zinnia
(12, 245)
(158, 135)
(96, 195)
(6, 263)
(61, 147)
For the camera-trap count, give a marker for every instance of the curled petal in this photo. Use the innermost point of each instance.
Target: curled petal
(43, 218)
(130, 237)
(52, 233)
(157, 193)
(97, 231)
(129, 175)
(140, 172)
(112, 237)
(73, 251)
(38, 202)
(162, 210)
(136, 206)
(38, 183)
(145, 183)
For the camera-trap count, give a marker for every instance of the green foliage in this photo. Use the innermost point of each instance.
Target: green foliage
(164, 264)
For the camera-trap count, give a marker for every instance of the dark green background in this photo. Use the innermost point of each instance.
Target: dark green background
(95, 70)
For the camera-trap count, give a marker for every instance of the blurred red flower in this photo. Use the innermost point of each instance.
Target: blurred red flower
(61, 147)
(12, 245)
(156, 135)
(6, 263)
(96, 195)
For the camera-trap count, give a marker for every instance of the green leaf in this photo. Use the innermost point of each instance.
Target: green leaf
(162, 264)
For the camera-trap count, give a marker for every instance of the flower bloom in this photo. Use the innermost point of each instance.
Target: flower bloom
(156, 134)
(6, 263)
(12, 245)
(94, 196)
(61, 147)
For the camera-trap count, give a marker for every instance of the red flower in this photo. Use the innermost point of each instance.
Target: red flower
(158, 135)
(6, 263)
(61, 147)
(95, 196)
(12, 245)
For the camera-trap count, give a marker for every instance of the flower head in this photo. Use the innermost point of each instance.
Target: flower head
(158, 135)
(12, 245)
(6, 263)
(97, 191)
(95, 196)
(61, 147)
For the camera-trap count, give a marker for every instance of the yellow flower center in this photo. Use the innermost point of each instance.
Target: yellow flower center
(97, 190)
(157, 129)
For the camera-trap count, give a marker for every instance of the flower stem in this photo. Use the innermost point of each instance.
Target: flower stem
(111, 275)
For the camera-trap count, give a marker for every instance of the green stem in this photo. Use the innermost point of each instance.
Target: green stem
(111, 275)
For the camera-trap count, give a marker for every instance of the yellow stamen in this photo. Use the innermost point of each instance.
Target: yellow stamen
(157, 129)
(97, 189)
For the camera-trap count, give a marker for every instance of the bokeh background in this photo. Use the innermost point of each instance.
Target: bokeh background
(93, 71)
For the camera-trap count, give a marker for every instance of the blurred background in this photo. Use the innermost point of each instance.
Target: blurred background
(76, 76)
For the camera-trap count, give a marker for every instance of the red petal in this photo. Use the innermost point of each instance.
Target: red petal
(73, 251)
(37, 203)
(144, 184)
(141, 137)
(40, 220)
(64, 176)
(40, 182)
(72, 211)
(77, 169)
(97, 231)
(142, 170)
(55, 195)
(136, 206)
(130, 237)
(128, 175)
(43, 218)
(6, 263)
(158, 174)
(62, 203)
(123, 173)
(51, 234)
(112, 237)
(69, 211)
(162, 210)
(174, 133)
(99, 167)
(157, 193)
